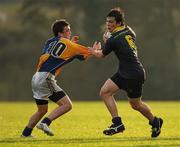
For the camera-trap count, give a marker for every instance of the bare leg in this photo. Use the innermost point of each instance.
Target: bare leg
(139, 105)
(42, 110)
(106, 93)
(65, 105)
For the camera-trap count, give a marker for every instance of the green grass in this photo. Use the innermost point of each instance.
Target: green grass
(84, 124)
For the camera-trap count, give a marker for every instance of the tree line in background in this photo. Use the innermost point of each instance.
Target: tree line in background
(25, 28)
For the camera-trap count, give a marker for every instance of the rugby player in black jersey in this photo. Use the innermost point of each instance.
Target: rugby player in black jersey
(130, 76)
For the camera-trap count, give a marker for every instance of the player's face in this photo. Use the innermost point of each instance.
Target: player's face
(66, 32)
(111, 24)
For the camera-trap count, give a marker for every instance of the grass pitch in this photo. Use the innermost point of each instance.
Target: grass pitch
(83, 126)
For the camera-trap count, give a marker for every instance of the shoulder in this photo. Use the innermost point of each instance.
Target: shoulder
(65, 40)
(131, 30)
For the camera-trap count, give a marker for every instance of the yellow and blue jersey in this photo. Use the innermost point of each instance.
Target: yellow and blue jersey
(59, 51)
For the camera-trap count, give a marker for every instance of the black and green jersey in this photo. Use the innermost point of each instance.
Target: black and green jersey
(122, 43)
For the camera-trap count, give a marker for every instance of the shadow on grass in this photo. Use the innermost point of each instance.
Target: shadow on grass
(92, 140)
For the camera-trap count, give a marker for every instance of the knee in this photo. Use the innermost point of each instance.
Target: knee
(104, 93)
(68, 106)
(135, 106)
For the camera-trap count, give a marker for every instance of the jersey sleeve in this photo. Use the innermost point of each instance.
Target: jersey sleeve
(82, 52)
(107, 47)
(73, 50)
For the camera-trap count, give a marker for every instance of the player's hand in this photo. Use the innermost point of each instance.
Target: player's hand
(96, 50)
(106, 36)
(93, 48)
(97, 45)
(75, 39)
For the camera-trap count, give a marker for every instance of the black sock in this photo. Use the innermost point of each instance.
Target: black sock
(46, 121)
(153, 122)
(27, 131)
(117, 120)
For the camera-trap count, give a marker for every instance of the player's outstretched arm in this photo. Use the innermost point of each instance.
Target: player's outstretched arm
(96, 50)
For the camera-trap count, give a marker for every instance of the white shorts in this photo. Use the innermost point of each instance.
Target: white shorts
(43, 85)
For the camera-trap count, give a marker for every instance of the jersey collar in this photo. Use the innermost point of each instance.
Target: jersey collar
(119, 28)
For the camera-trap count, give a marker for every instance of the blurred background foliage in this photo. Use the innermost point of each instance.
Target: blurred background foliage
(25, 26)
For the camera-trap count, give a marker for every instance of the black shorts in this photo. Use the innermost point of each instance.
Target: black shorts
(56, 96)
(133, 87)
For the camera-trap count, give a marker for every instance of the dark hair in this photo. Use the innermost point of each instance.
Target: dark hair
(58, 26)
(118, 14)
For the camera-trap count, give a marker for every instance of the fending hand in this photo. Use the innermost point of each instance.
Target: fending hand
(96, 50)
(97, 45)
(75, 39)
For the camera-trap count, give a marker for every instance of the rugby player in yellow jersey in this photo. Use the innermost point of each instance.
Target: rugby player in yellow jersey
(130, 76)
(57, 52)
